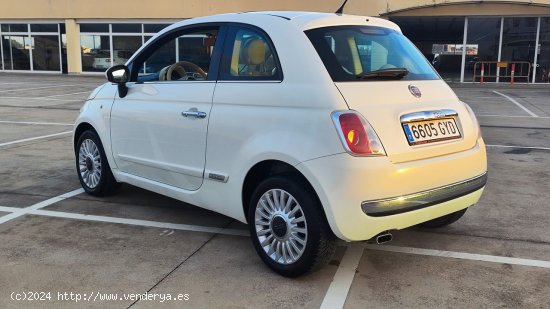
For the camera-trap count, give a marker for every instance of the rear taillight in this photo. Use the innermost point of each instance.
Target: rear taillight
(357, 135)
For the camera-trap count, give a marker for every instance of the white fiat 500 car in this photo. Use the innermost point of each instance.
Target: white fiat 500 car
(307, 126)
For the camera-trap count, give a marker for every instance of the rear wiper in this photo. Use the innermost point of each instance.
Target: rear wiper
(391, 73)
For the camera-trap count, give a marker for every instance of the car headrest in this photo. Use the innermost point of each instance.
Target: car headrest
(255, 50)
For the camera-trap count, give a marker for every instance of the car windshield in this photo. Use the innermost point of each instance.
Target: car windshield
(365, 53)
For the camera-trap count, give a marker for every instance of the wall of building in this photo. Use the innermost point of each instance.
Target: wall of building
(71, 14)
(108, 9)
(471, 8)
(145, 9)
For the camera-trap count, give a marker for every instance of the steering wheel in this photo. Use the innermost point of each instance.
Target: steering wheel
(179, 68)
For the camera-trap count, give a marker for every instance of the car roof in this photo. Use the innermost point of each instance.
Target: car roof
(301, 20)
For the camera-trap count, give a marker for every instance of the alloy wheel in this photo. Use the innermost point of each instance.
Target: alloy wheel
(89, 163)
(281, 226)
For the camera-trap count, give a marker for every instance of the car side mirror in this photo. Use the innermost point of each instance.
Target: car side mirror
(120, 75)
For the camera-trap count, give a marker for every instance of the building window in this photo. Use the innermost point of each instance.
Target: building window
(484, 34)
(19, 52)
(127, 28)
(96, 52)
(543, 52)
(45, 52)
(4, 50)
(85, 28)
(497, 42)
(105, 45)
(440, 39)
(43, 27)
(124, 47)
(153, 28)
(15, 28)
(518, 45)
(30, 47)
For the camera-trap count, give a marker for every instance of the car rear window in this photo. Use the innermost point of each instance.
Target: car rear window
(349, 51)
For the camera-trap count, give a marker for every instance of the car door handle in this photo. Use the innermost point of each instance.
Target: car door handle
(193, 112)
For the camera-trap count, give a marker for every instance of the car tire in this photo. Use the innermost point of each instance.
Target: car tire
(288, 227)
(444, 220)
(92, 166)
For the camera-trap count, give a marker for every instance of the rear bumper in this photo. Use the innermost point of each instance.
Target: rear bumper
(402, 204)
(355, 190)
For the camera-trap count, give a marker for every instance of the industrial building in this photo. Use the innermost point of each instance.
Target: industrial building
(458, 37)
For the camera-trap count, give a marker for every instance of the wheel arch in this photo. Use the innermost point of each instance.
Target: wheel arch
(107, 183)
(81, 128)
(87, 123)
(265, 169)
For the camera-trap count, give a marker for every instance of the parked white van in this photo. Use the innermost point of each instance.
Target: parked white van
(103, 59)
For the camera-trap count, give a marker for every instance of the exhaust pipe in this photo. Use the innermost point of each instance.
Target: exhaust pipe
(383, 237)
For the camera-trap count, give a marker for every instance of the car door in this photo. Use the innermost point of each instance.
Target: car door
(158, 130)
(249, 101)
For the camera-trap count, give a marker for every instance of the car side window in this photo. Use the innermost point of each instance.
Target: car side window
(178, 56)
(249, 55)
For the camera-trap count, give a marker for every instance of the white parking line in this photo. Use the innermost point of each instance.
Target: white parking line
(338, 290)
(23, 211)
(510, 116)
(146, 223)
(24, 83)
(41, 99)
(34, 138)
(517, 103)
(41, 83)
(462, 255)
(37, 123)
(520, 147)
(64, 94)
(347, 267)
(9, 209)
(35, 88)
(106, 219)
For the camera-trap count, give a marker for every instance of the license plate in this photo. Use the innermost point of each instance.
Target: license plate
(431, 131)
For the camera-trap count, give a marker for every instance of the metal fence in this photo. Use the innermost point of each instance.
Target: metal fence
(512, 71)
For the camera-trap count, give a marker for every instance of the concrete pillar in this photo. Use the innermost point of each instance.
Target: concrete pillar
(74, 65)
